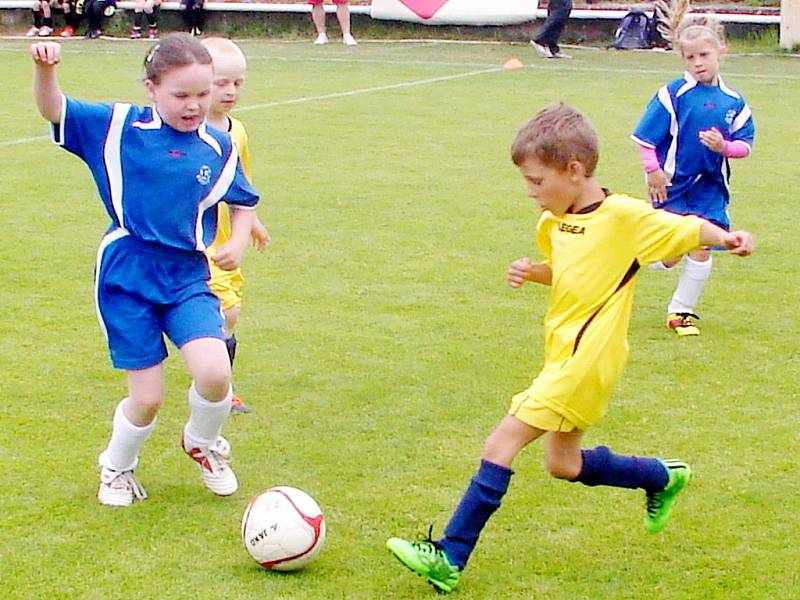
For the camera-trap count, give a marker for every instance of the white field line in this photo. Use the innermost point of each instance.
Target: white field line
(537, 64)
(303, 99)
(370, 90)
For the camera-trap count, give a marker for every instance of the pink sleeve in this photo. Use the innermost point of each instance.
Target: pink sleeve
(736, 149)
(649, 159)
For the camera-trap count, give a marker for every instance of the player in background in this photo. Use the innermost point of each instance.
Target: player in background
(42, 19)
(145, 10)
(593, 243)
(151, 276)
(688, 133)
(229, 76)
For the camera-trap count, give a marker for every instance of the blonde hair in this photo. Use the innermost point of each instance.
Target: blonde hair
(699, 27)
(219, 47)
(557, 135)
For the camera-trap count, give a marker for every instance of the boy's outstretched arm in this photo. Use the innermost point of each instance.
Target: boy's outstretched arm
(522, 270)
(739, 243)
(46, 91)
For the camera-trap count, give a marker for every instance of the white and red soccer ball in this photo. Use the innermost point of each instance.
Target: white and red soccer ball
(283, 529)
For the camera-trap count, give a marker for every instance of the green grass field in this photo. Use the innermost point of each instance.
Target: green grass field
(379, 344)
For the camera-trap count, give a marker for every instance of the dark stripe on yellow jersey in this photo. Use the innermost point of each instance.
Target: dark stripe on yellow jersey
(632, 270)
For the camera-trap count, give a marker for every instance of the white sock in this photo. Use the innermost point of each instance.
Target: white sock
(205, 418)
(690, 285)
(122, 453)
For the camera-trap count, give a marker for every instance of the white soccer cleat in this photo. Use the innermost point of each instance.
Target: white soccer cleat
(32, 32)
(119, 488)
(322, 39)
(45, 31)
(541, 50)
(349, 40)
(213, 464)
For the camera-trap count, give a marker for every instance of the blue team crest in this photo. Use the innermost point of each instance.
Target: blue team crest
(204, 175)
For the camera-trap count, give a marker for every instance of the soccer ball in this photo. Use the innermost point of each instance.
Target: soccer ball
(283, 529)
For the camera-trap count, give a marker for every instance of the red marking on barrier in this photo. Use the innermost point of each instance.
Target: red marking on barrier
(424, 9)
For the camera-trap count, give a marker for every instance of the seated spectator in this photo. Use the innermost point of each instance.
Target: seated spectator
(145, 9)
(42, 19)
(194, 16)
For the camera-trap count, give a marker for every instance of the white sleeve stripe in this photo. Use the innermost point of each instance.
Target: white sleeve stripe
(741, 119)
(669, 161)
(641, 142)
(208, 138)
(57, 129)
(220, 187)
(112, 157)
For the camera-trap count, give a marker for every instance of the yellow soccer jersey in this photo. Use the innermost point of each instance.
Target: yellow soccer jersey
(239, 137)
(227, 285)
(594, 257)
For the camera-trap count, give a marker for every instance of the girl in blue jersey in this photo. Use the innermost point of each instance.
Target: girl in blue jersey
(160, 173)
(689, 130)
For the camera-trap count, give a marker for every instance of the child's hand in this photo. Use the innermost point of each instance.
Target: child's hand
(260, 236)
(522, 270)
(713, 140)
(228, 257)
(46, 53)
(740, 243)
(657, 184)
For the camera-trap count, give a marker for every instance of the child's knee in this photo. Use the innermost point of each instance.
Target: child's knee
(214, 382)
(563, 466)
(147, 402)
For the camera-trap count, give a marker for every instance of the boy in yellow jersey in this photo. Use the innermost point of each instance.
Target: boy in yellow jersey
(593, 244)
(229, 71)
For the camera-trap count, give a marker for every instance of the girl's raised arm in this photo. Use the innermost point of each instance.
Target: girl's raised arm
(46, 91)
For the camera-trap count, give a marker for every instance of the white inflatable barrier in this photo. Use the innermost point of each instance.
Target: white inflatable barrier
(456, 12)
(462, 12)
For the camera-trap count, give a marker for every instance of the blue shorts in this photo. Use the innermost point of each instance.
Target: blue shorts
(143, 291)
(706, 197)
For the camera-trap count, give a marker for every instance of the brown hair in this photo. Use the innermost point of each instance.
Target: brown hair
(557, 135)
(700, 26)
(174, 51)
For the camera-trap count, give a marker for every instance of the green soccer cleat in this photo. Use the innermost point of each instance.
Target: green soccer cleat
(660, 504)
(427, 560)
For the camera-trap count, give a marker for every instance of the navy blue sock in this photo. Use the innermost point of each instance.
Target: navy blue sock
(482, 498)
(602, 467)
(230, 346)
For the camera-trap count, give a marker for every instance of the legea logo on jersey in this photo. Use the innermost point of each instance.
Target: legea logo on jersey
(730, 116)
(204, 175)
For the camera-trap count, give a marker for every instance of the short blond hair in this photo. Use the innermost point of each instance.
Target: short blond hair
(700, 27)
(220, 46)
(557, 135)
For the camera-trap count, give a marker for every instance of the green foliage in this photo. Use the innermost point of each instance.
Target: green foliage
(379, 344)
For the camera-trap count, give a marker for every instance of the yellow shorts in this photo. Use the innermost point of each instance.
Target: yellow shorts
(227, 286)
(526, 408)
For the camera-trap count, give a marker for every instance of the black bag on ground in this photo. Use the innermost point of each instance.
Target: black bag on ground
(634, 32)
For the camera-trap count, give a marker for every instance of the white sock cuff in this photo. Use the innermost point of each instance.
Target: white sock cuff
(698, 265)
(205, 418)
(126, 439)
(196, 400)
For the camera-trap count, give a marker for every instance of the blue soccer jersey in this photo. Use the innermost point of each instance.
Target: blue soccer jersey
(671, 123)
(160, 188)
(158, 184)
